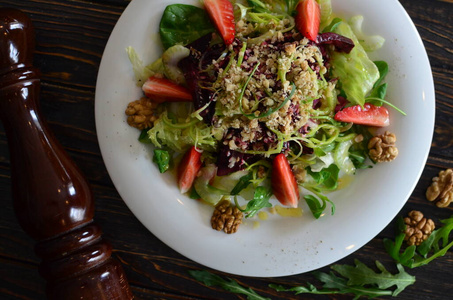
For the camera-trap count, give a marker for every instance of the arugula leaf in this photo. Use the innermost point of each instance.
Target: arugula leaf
(315, 205)
(194, 194)
(358, 280)
(260, 200)
(309, 289)
(383, 69)
(327, 178)
(228, 284)
(379, 101)
(393, 248)
(437, 244)
(358, 153)
(441, 234)
(358, 158)
(183, 24)
(331, 27)
(332, 281)
(144, 138)
(379, 90)
(361, 275)
(162, 159)
(243, 183)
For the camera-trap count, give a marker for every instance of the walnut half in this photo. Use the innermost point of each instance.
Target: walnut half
(418, 228)
(226, 217)
(141, 113)
(382, 147)
(441, 188)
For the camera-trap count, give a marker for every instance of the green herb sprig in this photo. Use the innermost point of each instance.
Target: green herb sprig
(358, 280)
(243, 183)
(210, 279)
(318, 204)
(377, 95)
(260, 200)
(163, 159)
(413, 256)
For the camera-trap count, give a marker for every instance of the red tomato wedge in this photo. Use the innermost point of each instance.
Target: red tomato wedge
(369, 114)
(188, 169)
(284, 185)
(222, 15)
(308, 18)
(164, 90)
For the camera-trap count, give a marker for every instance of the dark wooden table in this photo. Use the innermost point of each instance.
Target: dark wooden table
(71, 36)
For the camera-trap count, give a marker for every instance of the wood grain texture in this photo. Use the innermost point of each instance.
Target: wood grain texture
(71, 36)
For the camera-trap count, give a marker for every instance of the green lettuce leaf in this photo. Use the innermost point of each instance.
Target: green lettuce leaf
(368, 42)
(182, 24)
(326, 12)
(356, 72)
(341, 157)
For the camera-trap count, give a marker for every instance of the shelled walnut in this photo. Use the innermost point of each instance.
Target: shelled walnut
(226, 217)
(441, 188)
(141, 113)
(382, 147)
(418, 228)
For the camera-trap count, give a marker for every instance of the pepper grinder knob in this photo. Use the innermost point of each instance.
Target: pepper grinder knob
(52, 199)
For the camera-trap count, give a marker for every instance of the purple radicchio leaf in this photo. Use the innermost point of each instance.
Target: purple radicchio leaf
(341, 43)
(342, 102)
(198, 81)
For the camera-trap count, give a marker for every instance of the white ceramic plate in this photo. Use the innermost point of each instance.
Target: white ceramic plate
(279, 246)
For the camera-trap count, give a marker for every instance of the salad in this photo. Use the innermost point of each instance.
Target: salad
(262, 98)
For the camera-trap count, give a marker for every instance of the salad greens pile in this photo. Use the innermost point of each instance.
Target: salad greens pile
(235, 117)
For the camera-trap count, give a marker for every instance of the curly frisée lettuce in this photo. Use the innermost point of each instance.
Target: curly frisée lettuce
(272, 91)
(179, 134)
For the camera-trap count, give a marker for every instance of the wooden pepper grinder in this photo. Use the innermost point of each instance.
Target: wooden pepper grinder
(52, 199)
